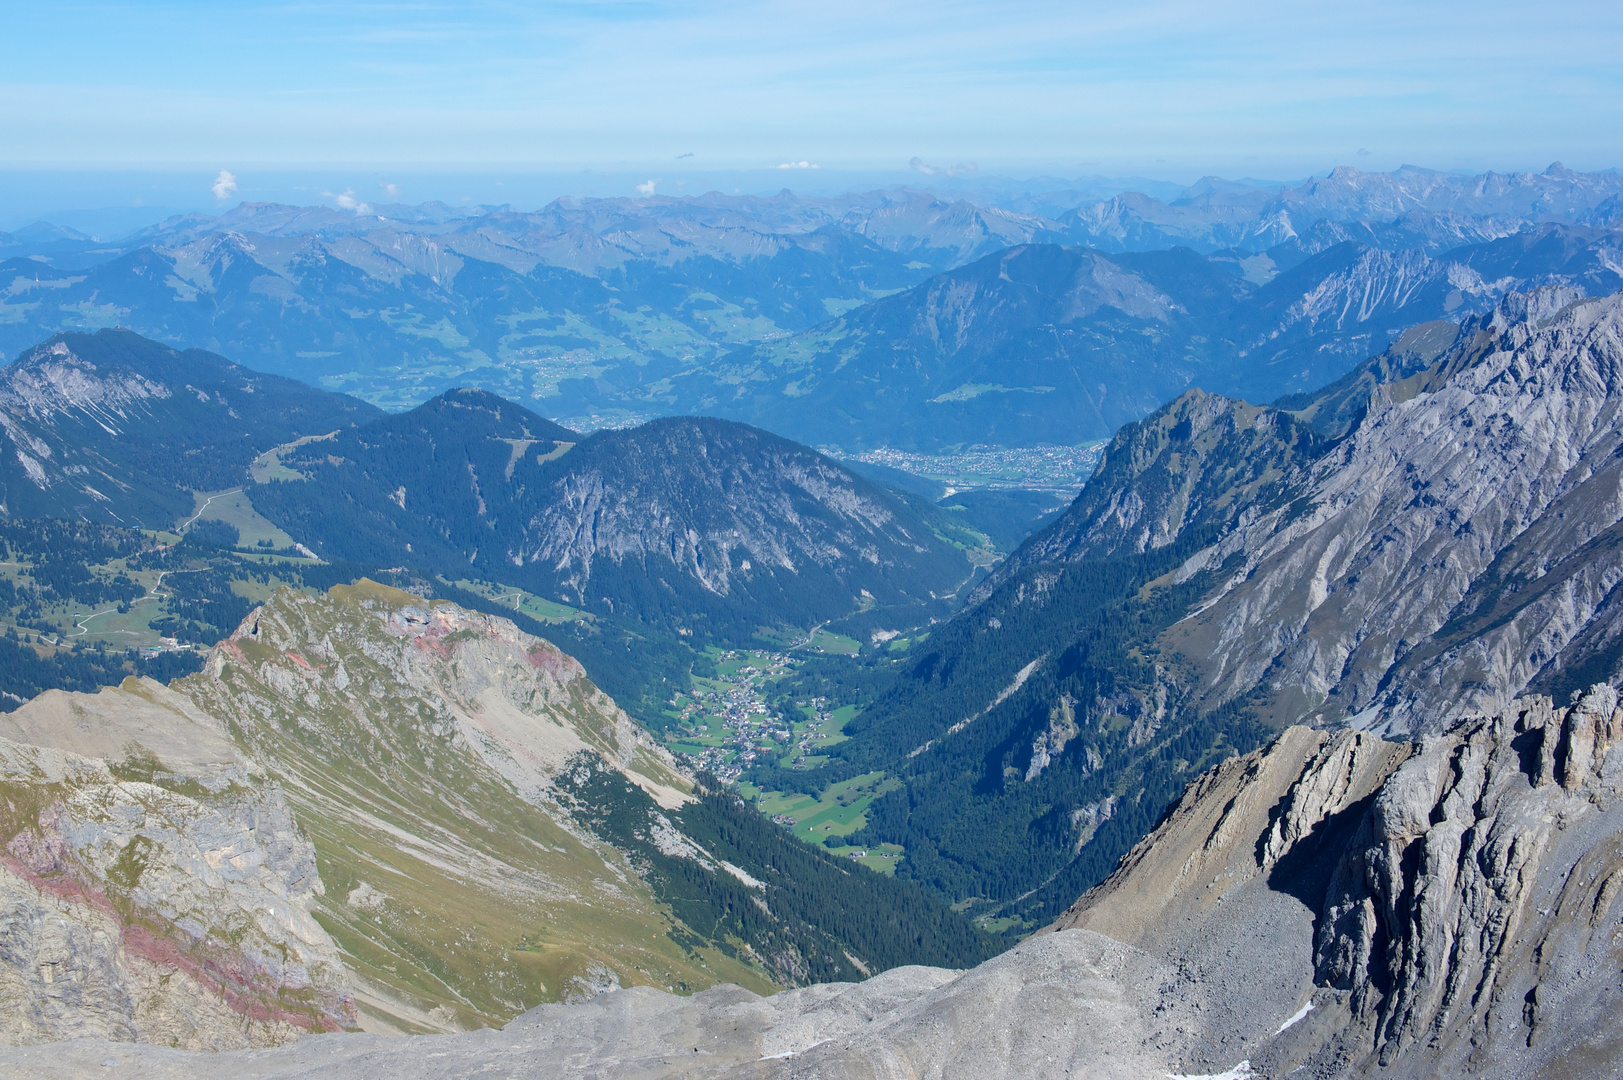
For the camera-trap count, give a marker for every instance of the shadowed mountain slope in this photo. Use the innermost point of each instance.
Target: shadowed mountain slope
(701, 525)
(117, 429)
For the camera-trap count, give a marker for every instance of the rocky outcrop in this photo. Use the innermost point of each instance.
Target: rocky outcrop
(163, 899)
(1446, 908)
(1452, 546)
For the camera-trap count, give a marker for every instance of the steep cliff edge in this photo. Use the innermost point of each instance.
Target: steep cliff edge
(1440, 908)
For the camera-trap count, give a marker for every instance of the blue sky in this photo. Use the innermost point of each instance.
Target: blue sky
(1157, 88)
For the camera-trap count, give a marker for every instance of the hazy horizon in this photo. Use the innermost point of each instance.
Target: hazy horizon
(111, 202)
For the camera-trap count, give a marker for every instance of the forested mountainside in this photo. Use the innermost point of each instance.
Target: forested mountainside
(638, 549)
(601, 310)
(113, 428)
(1425, 539)
(372, 808)
(704, 528)
(1334, 906)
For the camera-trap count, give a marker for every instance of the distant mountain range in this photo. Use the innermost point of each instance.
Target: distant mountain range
(615, 310)
(1043, 344)
(698, 525)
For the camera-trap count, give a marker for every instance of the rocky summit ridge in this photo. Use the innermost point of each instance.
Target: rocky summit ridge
(1334, 905)
(351, 816)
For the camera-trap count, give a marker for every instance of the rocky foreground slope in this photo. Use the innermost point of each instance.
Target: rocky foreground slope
(372, 811)
(356, 800)
(1334, 905)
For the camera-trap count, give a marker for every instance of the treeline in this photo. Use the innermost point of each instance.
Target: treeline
(978, 815)
(59, 556)
(66, 562)
(811, 910)
(24, 673)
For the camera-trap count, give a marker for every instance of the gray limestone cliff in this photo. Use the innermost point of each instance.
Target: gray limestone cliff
(164, 900)
(1429, 538)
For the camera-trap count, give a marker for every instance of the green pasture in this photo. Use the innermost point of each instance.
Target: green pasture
(233, 507)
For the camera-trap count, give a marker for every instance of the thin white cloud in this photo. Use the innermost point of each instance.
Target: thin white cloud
(348, 201)
(797, 165)
(963, 168)
(646, 188)
(392, 190)
(225, 185)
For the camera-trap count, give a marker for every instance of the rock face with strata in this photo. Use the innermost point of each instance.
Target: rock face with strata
(1445, 908)
(159, 900)
(1457, 541)
(1429, 538)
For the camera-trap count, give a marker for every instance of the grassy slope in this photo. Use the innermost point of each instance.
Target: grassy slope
(475, 903)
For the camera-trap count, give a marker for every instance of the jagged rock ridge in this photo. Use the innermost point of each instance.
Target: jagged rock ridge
(1428, 538)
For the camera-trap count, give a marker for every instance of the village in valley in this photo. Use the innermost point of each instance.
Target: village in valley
(726, 722)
